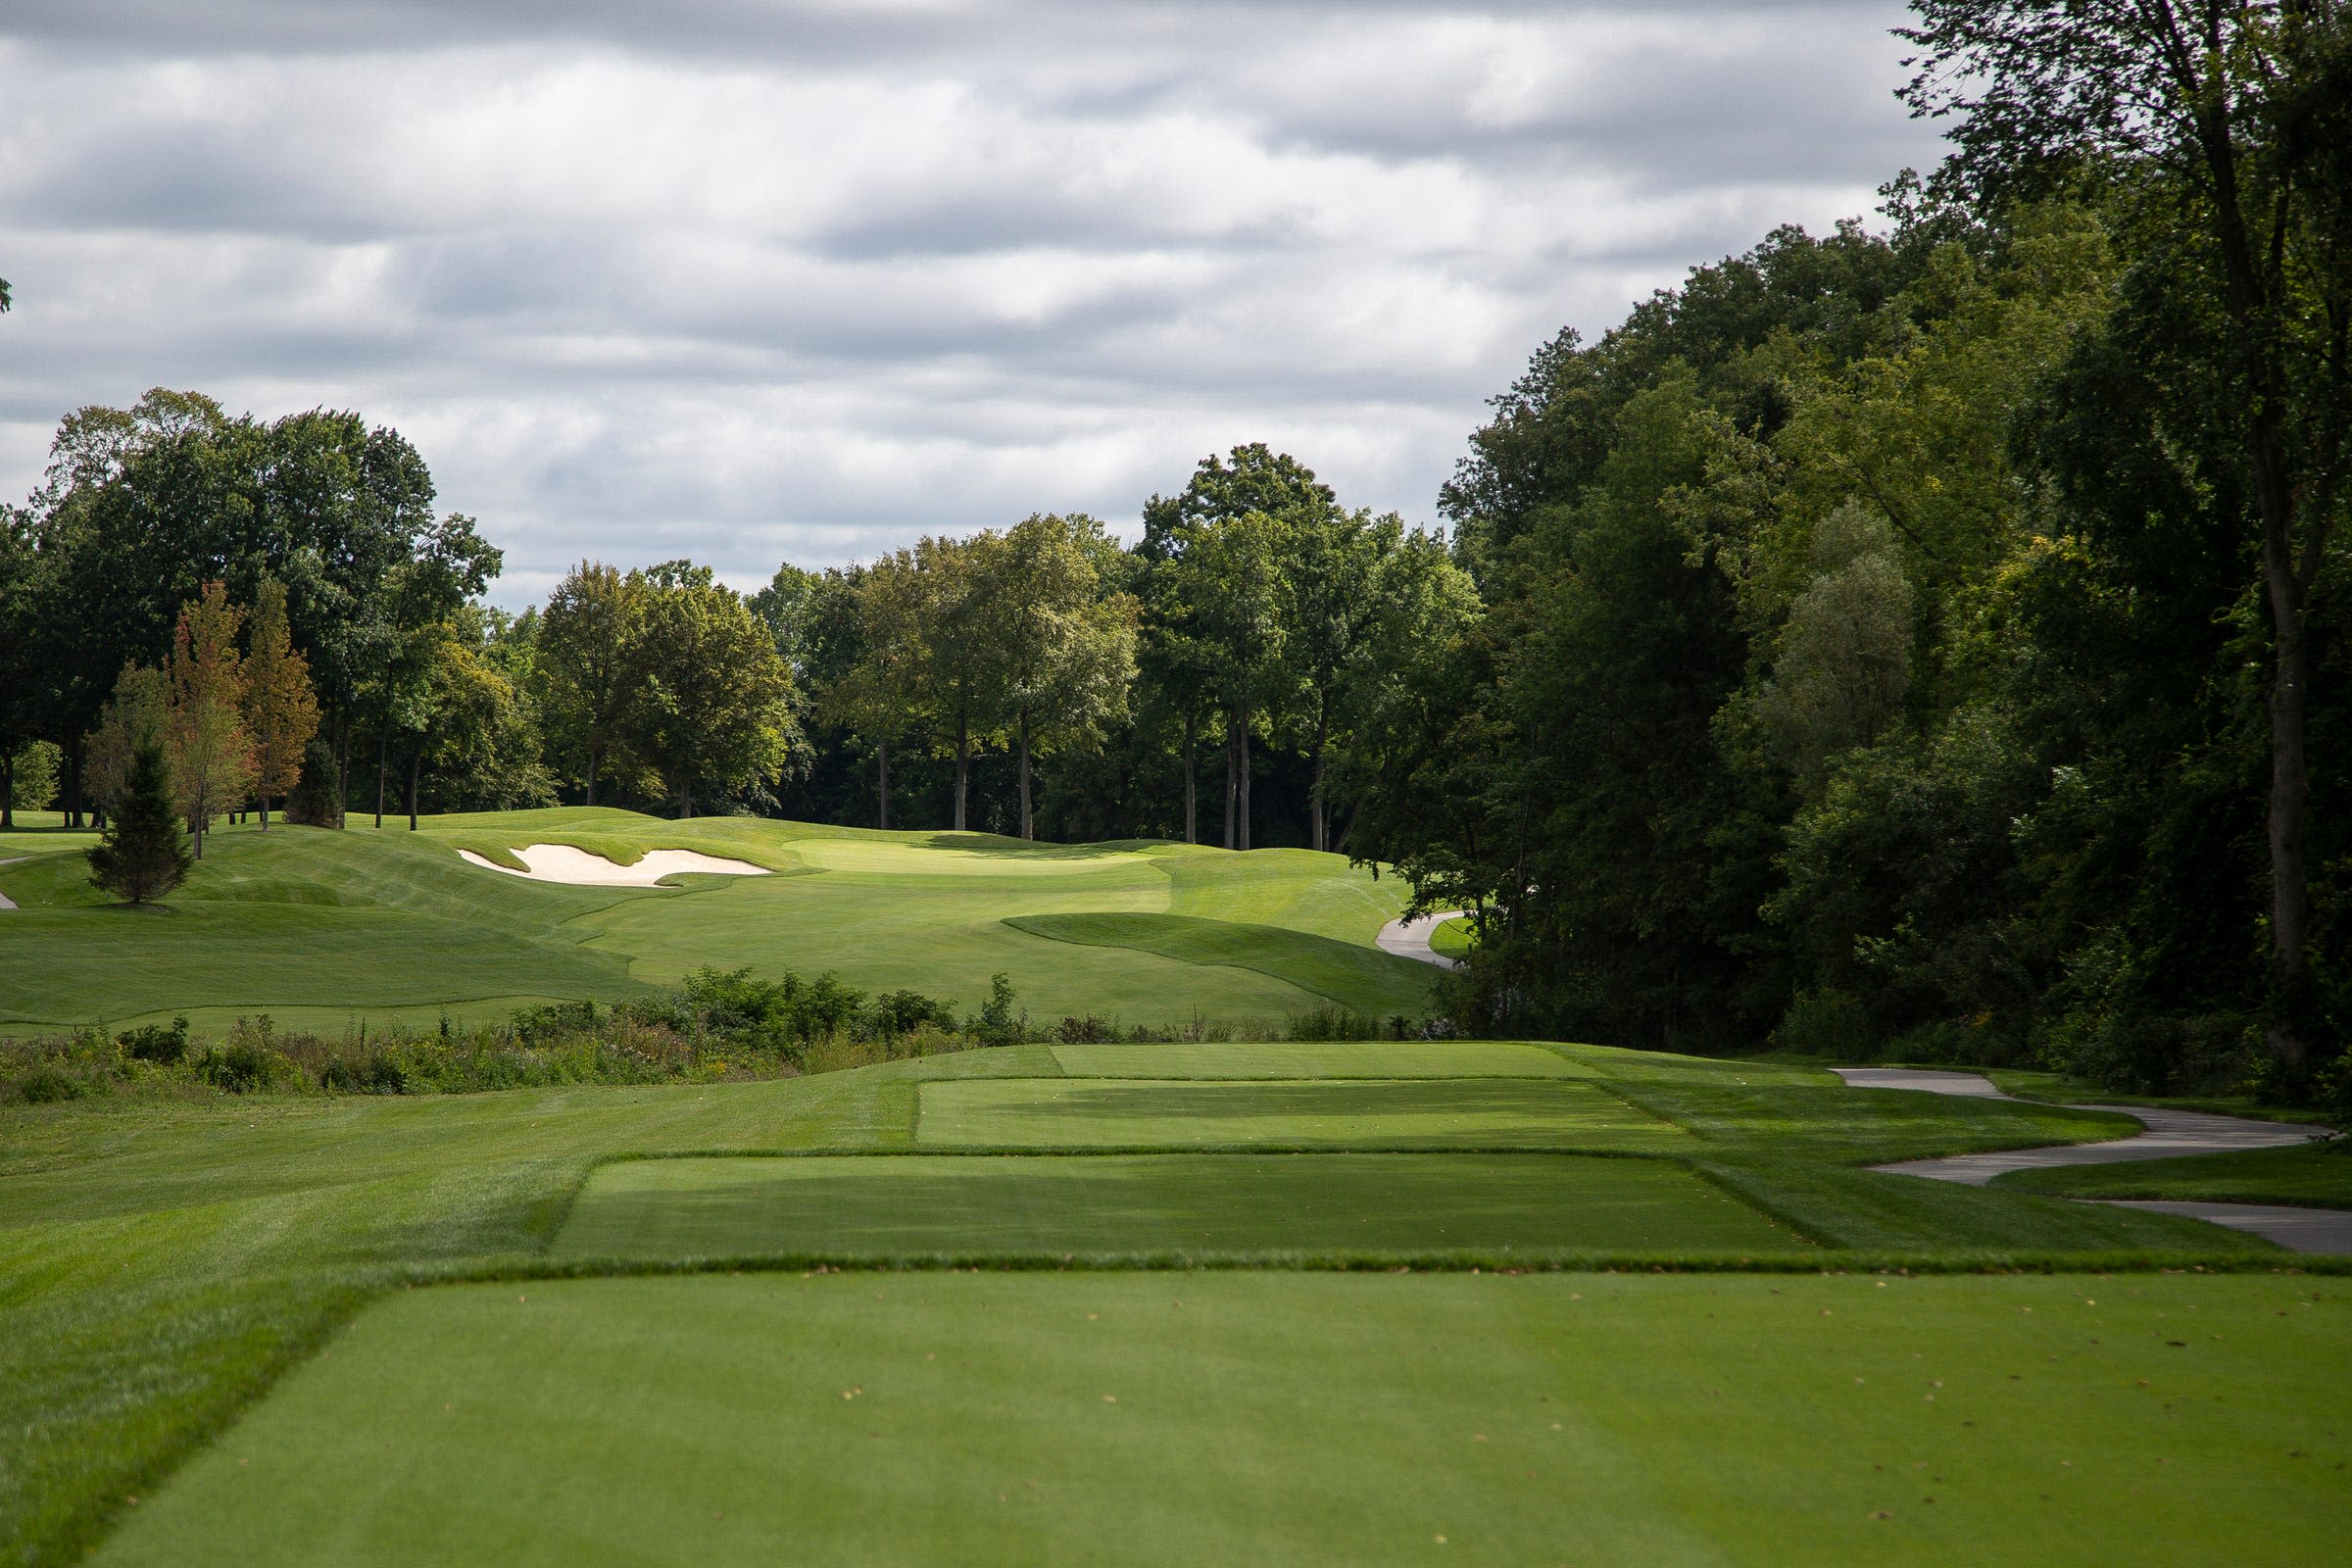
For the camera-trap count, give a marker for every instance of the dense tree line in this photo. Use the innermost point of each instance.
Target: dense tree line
(1038, 680)
(1934, 642)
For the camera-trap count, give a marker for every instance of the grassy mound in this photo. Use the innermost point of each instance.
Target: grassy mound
(320, 928)
(1361, 978)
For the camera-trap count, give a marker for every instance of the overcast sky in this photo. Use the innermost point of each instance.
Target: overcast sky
(752, 280)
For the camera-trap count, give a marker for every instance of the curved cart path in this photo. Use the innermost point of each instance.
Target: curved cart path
(7, 903)
(1409, 939)
(2169, 1132)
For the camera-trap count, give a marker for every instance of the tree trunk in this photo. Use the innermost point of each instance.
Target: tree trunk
(8, 791)
(1028, 823)
(1241, 752)
(73, 801)
(1192, 736)
(2290, 800)
(383, 757)
(964, 758)
(882, 785)
(342, 770)
(1317, 835)
(595, 757)
(415, 754)
(1233, 783)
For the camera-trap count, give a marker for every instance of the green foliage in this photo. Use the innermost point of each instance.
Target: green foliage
(31, 776)
(1332, 1023)
(143, 854)
(996, 1023)
(164, 1045)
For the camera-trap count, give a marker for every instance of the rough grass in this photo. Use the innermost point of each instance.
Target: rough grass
(886, 1207)
(1295, 1418)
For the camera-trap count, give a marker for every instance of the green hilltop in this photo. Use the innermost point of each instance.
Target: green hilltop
(321, 928)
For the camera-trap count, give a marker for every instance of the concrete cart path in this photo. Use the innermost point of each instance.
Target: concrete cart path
(1409, 939)
(2169, 1134)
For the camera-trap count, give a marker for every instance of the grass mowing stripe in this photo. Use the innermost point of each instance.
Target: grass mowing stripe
(885, 1207)
(1134, 1113)
(1363, 978)
(1351, 1059)
(1294, 1418)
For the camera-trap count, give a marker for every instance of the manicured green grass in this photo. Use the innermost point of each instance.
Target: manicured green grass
(1295, 1418)
(161, 1264)
(320, 928)
(1372, 982)
(1349, 1059)
(1144, 1113)
(882, 1206)
(1455, 938)
(2311, 1175)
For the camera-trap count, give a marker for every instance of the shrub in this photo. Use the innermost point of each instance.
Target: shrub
(1826, 1023)
(369, 1071)
(1331, 1021)
(162, 1045)
(1087, 1031)
(46, 1086)
(905, 1013)
(996, 1023)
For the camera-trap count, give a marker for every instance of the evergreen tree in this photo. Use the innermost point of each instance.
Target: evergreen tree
(143, 854)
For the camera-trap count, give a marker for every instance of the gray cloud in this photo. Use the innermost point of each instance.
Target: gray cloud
(752, 280)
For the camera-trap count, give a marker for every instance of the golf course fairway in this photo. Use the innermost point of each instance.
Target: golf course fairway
(1645, 1421)
(320, 928)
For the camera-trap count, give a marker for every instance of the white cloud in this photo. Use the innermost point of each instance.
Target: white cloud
(778, 281)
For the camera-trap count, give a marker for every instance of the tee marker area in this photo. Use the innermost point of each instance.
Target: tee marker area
(1302, 1303)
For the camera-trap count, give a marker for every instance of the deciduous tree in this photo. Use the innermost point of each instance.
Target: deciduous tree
(2232, 122)
(581, 671)
(282, 712)
(713, 706)
(212, 753)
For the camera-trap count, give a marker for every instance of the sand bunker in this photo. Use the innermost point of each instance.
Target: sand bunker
(561, 862)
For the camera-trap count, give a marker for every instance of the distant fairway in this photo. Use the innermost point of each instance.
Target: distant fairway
(1116, 1114)
(320, 928)
(882, 1206)
(1611, 1421)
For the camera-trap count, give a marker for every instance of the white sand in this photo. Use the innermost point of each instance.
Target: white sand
(561, 862)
